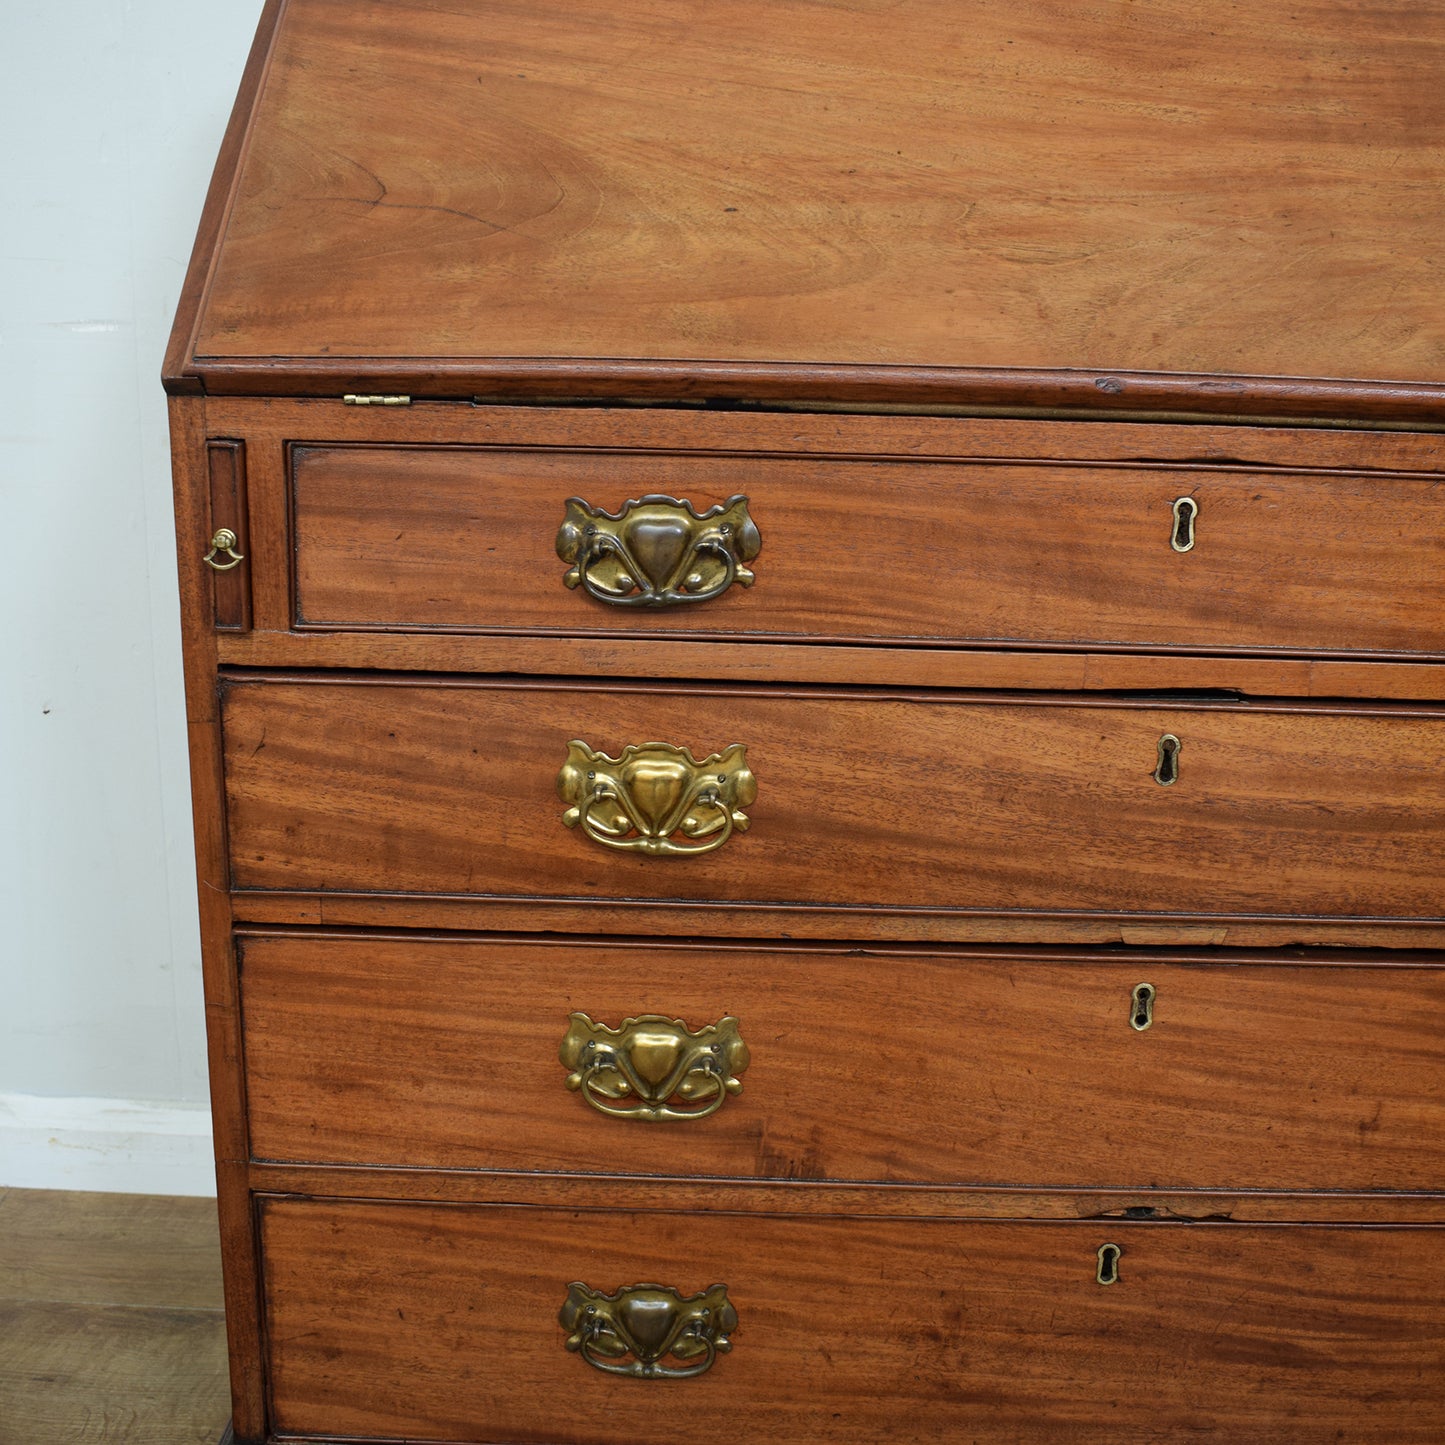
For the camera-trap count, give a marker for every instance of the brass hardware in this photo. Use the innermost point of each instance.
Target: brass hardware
(657, 551)
(650, 1060)
(648, 1322)
(224, 540)
(638, 801)
(1166, 768)
(353, 398)
(1186, 510)
(1141, 1007)
(1108, 1270)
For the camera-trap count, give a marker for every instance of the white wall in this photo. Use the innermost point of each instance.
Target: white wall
(112, 111)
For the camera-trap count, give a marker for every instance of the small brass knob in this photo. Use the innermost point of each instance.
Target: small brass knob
(224, 540)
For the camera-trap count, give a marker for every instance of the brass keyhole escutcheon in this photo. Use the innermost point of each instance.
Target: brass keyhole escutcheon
(1108, 1270)
(1141, 1007)
(224, 540)
(1186, 513)
(1166, 768)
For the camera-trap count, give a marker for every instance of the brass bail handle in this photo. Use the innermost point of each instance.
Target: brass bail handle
(605, 795)
(657, 551)
(223, 540)
(656, 798)
(653, 1068)
(648, 1331)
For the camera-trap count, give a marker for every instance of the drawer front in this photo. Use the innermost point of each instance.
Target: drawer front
(465, 538)
(972, 1069)
(442, 1323)
(940, 803)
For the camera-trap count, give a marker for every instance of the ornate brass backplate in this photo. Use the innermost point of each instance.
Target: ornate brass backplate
(660, 1068)
(658, 551)
(648, 1322)
(657, 798)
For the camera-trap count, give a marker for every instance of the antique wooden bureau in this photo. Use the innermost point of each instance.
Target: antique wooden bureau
(815, 638)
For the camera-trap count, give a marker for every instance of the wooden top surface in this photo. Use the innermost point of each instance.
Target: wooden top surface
(1022, 188)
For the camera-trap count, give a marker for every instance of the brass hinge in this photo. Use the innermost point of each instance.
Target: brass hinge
(354, 399)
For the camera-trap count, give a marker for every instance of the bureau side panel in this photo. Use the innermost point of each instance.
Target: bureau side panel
(192, 478)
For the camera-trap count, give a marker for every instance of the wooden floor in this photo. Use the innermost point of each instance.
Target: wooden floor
(110, 1320)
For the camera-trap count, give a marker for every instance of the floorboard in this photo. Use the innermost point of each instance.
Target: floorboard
(110, 1321)
(111, 1249)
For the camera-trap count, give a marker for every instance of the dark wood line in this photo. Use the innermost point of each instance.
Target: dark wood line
(1080, 647)
(1170, 700)
(1080, 955)
(833, 432)
(505, 1188)
(1016, 390)
(543, 902)
(866, 456)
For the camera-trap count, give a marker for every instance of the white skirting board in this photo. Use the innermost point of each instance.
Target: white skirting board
(112, 1146)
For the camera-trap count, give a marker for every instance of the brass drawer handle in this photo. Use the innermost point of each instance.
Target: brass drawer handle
(664, 1070)
(650, 1323)
(657, 551)
(656, 798)
(223, 541)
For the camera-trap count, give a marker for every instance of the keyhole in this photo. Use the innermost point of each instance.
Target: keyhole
(1186, 509)
(1166, 770)
(1108, 1271)
(1141, 1011)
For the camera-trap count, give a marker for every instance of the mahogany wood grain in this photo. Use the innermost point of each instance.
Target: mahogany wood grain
(271, 422)
(992, 669)
(273, 426)
(978, 1070)
(865, 800)
(440, 1323)
(1044, 229)
(181, 343)
(818, 1198)
(1020, 392)
(445, 538)
(720, 919)
(230, 588)
(193, 490)
(793, 186)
